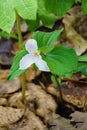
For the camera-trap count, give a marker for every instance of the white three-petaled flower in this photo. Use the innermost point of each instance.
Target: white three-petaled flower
(33, 57)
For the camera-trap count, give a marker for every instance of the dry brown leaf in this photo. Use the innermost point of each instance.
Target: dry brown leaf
(24, 27)
(16, 48)
(71, 94)
(31, 73)
(74, 38)
(4, 74)
(3, 101)
(29, 122)
(15, 100)
(61, 124)
(6, 59)
(10, 115)
(80, 120)
(45, 103)
(7, 86)
(32, 118)
(3, 128)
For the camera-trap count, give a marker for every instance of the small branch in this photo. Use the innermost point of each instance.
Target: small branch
(23, 77)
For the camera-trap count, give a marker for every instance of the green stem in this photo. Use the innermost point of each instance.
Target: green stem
(59, 89)
(19, 30)
(23, 78)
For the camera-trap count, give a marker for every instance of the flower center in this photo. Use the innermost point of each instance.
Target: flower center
(36, 53)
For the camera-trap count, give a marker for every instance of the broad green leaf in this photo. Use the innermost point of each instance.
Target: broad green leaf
(46, 38)
(43, 15)
(27, 9)
(82, 67)
(33, 24)
(46, 49)
(5, 34)
(62, 61)
(47, 18)
(82, 58)
(84, 6)
(60, 7)
(14, 72)
(7, 15)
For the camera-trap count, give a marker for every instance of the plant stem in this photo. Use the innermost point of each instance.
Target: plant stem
(59, 89)
(23, 77)
(19, 31)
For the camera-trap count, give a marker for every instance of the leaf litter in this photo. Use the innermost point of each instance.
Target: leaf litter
(71, 35)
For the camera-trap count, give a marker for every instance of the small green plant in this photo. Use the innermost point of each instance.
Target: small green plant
(60, 60)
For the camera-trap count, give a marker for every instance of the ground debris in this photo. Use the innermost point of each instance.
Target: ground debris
(71, 94)
(29, 122)
(7, 87)
(74, 38)
(61, 124)
(10, 115)
(45, 103)
(79, 120)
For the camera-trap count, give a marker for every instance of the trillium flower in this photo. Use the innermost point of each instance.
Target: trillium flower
(33, 57)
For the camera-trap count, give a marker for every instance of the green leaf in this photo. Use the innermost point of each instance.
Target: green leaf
(5, 34)
(27, 9)
(82, 58)
(33, 24)
(53, 79)
(15, 71)
(84, 6)
(43, 15)
(60, 7)
(82, 67)
(7, 15)
(77, 1)
(46, 38)
(14, 74)
(47, 18)
(62, 61)
(46, 49)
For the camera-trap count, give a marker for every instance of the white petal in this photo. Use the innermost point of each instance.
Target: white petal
(31, 45)
(42, 65)
(26, 61)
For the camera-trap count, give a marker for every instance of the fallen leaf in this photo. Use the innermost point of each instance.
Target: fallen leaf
(3, 102)
(29, 122)
(7, 86)
(74, 38)
(4, 74)
(45, 103)
(6, 59)
(6, 45)
(37, 123)
(31, 73)
(24, 27)
(61, 124)
(71, 94)
(15, 100)
(10, 115)
(80, 120)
